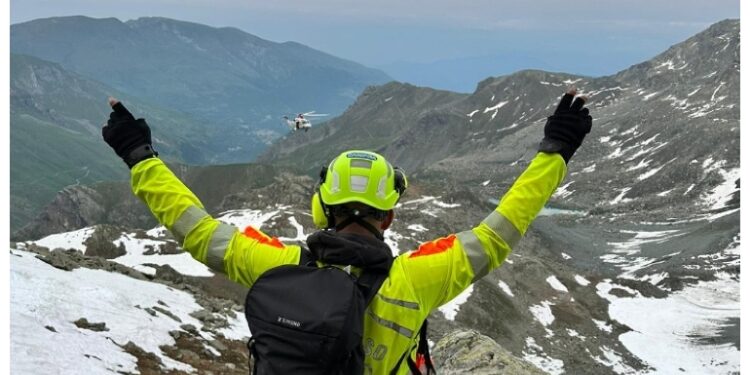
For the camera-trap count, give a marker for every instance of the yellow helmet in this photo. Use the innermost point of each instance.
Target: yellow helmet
(357, 176)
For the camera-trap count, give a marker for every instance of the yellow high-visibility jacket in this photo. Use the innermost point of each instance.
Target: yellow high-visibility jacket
(419, 281)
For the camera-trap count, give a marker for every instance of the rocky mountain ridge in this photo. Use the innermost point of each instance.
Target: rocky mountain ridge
(646, 123)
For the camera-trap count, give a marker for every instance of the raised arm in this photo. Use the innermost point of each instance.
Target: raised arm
(441, 269)
(242, 256)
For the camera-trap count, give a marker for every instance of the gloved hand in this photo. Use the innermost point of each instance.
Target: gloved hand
(567, 127)
(130, 138)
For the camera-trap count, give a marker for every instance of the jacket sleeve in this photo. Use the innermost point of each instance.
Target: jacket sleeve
(441, 269)
(243, 257)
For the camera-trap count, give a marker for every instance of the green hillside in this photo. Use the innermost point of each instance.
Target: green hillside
(55, 125)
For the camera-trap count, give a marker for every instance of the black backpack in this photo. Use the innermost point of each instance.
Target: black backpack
(306, 319)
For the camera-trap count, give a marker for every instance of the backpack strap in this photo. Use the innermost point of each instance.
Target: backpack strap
(369, 283)
(423, 355)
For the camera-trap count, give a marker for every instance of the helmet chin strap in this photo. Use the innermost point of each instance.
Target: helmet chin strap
(357, 216)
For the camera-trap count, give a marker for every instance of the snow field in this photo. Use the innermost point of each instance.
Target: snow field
(622, 253)
(664, 330)
(45, 296)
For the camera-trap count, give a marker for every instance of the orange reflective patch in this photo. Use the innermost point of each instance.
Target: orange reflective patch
(262, 238)
(434, 247)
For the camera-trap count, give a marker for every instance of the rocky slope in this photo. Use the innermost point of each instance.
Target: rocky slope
(113, 203)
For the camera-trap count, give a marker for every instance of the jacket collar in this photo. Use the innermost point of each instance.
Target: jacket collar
(350, 249)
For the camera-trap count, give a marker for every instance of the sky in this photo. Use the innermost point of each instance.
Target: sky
(590, 37)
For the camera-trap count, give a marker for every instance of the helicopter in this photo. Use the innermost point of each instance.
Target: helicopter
(300, 122)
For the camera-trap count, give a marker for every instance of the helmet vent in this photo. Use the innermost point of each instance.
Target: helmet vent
(359, 163)
(335, 184)
(381, 187)
(358, 183)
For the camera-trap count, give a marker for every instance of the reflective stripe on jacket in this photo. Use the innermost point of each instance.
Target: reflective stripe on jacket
(419, 281)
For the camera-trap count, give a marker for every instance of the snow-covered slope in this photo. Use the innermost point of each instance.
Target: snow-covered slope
(671, 334)
(46, 302)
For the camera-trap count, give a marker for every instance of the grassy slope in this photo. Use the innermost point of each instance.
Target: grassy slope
(40, 167)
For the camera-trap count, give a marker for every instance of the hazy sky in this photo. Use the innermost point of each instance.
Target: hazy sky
(593, 37)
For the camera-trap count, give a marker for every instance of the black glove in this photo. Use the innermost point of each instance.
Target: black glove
(130, 138)
(567, 127)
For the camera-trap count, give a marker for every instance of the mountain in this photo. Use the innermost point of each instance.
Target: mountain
(55, 128)
(113, 202)
(237, 83)
(380, 115)
(646, 121)
(462, 74)
(632, 268)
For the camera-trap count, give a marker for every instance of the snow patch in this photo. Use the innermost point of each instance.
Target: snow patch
(543, 313)
(505, 288)
(563, 192)
(300, 237)
(602, 325)
(614, 360)
(237, 328)
(536, 356)
(135, 258)
(243, 218)
(572, 333)
(582, 280)
(556, 284)
(417, 228)
(450, 309)
(391, 239)
(157, 232)
(67, 240)
(650, 173)
(495, 107)
(589, 169)
(720, 195)
(621, 197)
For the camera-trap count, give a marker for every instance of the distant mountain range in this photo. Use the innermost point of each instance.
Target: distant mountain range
(239, 85)
(212, 95)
